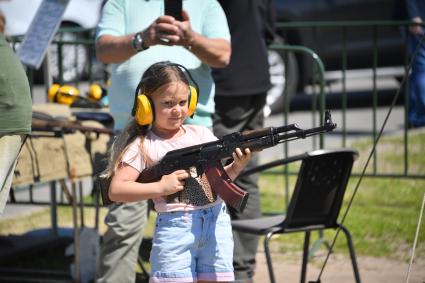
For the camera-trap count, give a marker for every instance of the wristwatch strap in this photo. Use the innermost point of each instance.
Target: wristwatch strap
(138, 43)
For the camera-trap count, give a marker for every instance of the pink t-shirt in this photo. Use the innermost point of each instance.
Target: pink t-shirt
(157, 147)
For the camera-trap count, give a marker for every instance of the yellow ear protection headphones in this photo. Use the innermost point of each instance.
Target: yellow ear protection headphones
(65, 94)
(143, 107)
(96, 92)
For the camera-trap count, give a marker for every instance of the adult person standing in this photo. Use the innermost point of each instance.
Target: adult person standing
(15, 112)
(416, 13)
(241, 90)
(132, 35)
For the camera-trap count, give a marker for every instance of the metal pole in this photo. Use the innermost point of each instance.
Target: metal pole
(76, 234)
(53, 208)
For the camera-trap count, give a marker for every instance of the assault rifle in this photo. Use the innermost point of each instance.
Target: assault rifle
(206, 158)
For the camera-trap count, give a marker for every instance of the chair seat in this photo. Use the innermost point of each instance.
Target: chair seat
(260, 225)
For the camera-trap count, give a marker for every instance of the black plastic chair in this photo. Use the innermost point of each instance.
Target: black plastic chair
(314, 205)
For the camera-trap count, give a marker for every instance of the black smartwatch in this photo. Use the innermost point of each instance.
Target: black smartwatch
(138, 43)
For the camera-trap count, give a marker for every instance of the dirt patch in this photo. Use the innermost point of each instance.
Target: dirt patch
(339, 269)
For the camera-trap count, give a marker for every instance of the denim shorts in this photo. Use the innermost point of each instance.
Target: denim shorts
(193, 245)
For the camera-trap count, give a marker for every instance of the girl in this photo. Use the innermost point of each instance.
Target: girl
(193, 236)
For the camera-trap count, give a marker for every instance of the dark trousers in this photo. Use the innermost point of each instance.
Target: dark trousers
(233, 114)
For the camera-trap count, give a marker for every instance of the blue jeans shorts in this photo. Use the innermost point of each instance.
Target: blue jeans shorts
(193, 245)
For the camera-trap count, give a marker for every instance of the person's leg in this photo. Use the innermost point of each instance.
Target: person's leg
(216, 239)
(10, 146)
(418, 73)
(120, 245)
(242, 114)
(412, 102)
(246, 244)
(417, 85)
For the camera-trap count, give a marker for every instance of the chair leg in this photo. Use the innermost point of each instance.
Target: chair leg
(269, 257)
(305, 256)
(12, 195)
(352, 253)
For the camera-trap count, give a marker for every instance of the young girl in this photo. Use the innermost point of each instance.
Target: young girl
(193, 236)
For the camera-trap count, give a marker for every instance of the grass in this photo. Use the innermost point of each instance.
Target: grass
(390, 154)
(41, 219)
(382, 219)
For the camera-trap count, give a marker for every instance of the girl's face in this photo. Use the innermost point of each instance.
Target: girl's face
(171, 106)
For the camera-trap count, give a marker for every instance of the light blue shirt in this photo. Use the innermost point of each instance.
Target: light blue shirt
(121, 17)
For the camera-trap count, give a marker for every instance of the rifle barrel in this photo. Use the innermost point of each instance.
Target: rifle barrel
(300, 133)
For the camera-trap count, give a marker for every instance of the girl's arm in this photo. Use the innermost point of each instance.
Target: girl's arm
(240, 160)
(124, 188)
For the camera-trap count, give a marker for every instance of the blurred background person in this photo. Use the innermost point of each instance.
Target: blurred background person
(15, 112)
(416, 13)
(241, 90)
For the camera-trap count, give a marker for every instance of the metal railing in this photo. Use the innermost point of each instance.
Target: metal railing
(375, 94)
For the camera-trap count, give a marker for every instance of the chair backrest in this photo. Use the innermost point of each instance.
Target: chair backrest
(320, 187)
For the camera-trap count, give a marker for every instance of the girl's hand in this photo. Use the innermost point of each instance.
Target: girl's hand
(240, 160)
(173, 182)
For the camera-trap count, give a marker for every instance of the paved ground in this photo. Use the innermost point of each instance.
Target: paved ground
(372, 270)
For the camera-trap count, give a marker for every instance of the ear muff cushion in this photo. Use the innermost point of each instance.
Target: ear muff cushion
(144, 110)
(193, 101)
(95, 92)
(52, 93)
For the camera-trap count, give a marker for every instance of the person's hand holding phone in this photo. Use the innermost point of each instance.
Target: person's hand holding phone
(171, 29)
(186, 34)
(416, 29)
(162, 31)
(174, 8)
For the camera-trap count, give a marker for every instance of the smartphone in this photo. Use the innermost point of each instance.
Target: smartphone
(173, 8)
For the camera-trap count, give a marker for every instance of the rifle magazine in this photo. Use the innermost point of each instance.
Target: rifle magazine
(220, 182)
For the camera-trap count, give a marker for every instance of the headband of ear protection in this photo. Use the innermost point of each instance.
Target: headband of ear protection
(143, 107)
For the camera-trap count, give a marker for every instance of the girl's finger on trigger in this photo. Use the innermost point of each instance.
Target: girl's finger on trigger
(183, 176)
(182, 173)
